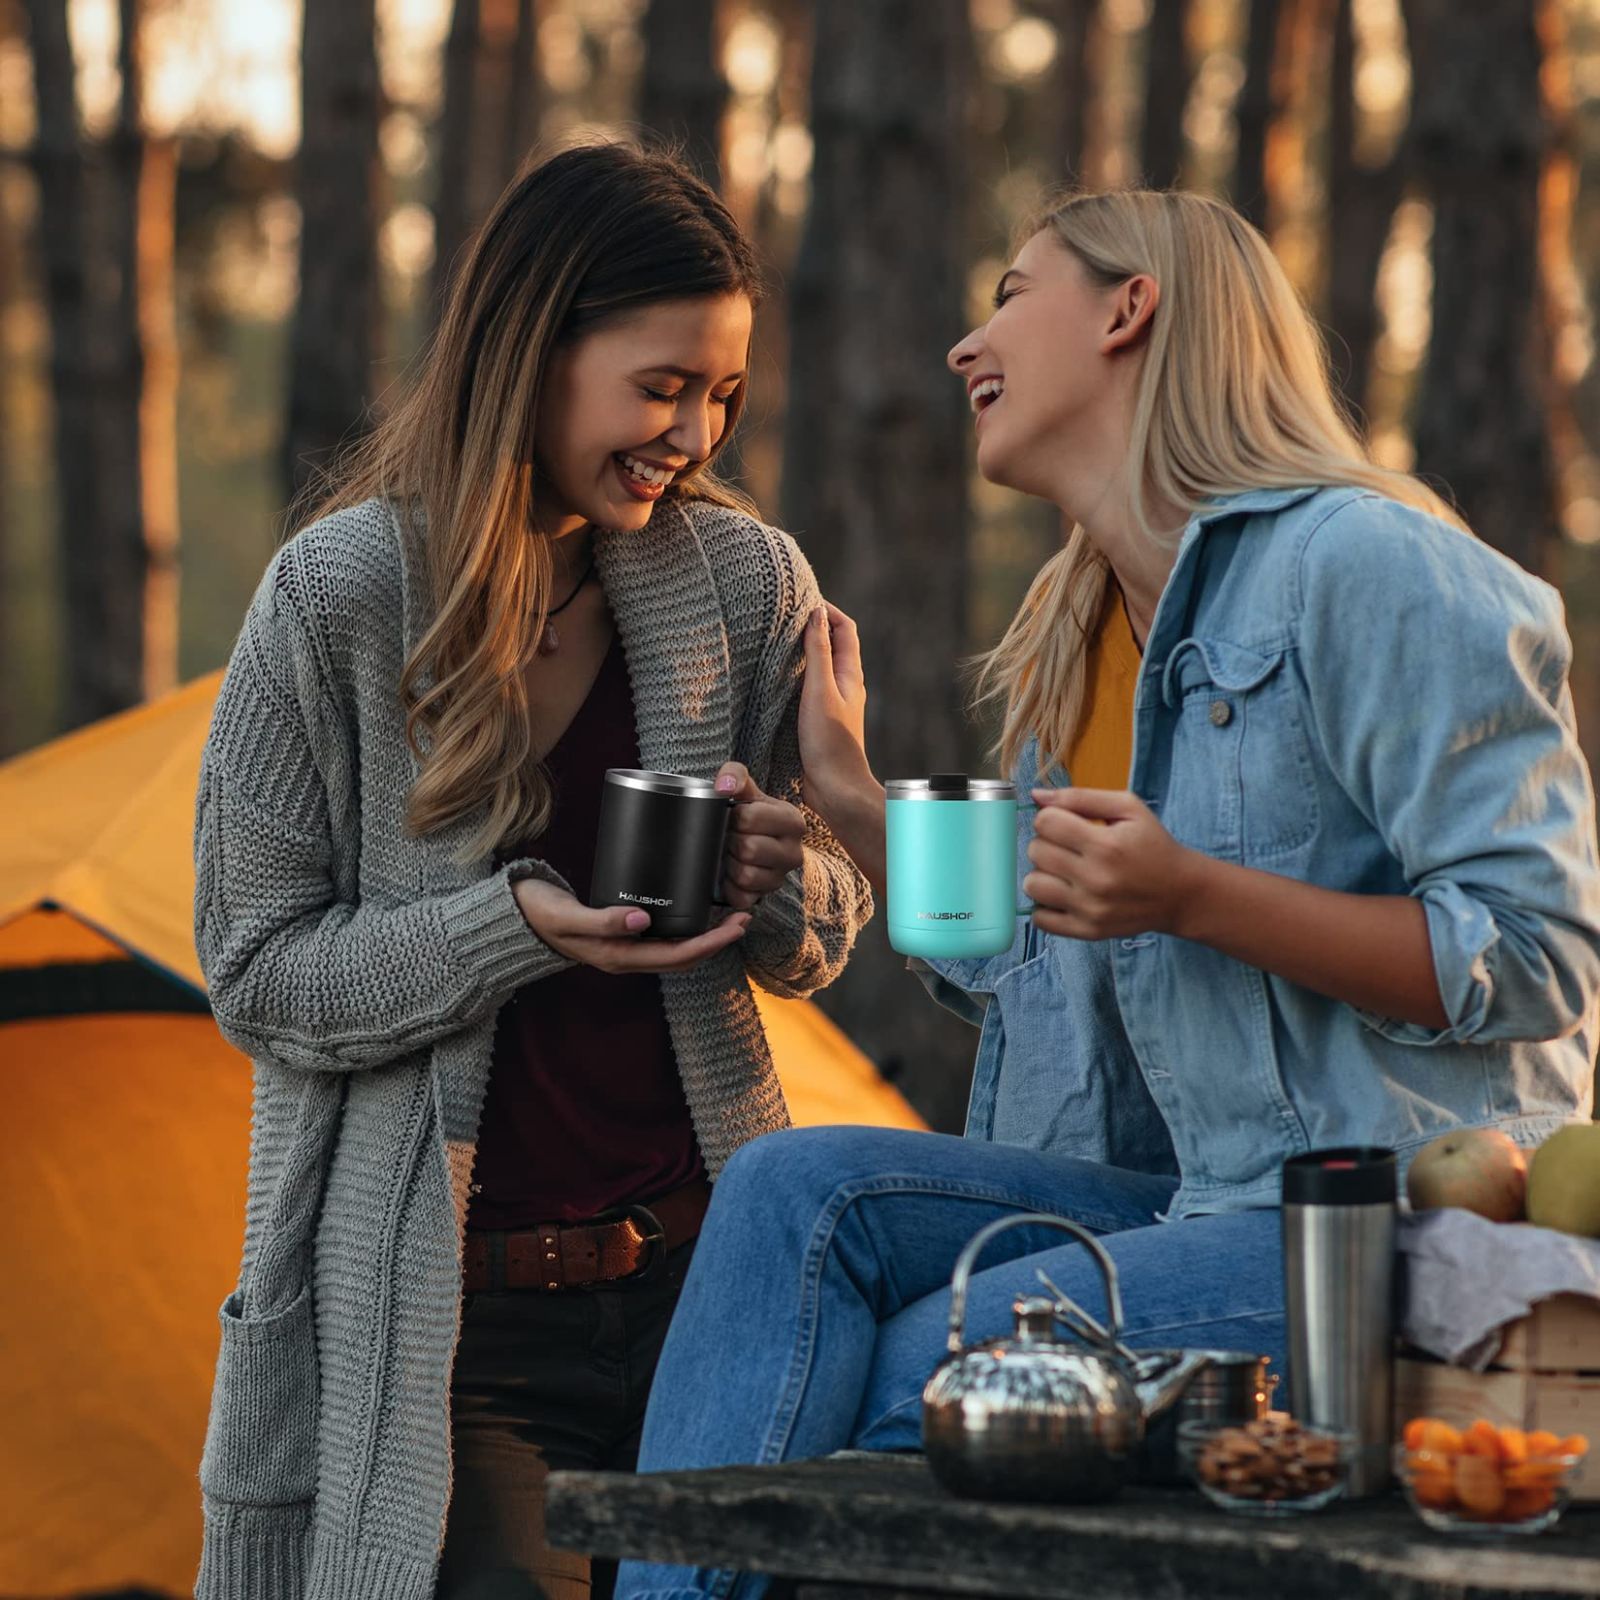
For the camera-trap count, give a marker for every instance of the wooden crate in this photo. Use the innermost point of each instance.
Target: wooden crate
(1547, 1375)
(1561, 1334)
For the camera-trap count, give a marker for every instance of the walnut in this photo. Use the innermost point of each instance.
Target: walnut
(1273, 1458)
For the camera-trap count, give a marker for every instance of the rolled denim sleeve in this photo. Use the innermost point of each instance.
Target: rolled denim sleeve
(1436, 672)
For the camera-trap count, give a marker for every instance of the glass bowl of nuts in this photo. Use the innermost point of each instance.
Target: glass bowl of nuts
(1271, 1467)
(1484, 1479)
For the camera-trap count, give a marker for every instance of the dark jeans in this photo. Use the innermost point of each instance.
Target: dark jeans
(544, 1382)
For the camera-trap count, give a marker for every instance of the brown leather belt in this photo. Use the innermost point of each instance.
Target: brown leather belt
(630, 1242)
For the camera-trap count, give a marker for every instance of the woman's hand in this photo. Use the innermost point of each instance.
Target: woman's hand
(765, 839)
(609, 939)
(833, 713)
(839, 785)
(1104, 867)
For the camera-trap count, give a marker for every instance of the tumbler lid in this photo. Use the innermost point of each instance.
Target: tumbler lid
(664, 783)
(1348, 1175)
(949, 786)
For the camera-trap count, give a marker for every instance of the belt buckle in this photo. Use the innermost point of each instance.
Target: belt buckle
(655, 1237)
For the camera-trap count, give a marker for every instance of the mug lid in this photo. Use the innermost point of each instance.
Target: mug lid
(1349, 1175)
(949, 786)
(664, 783)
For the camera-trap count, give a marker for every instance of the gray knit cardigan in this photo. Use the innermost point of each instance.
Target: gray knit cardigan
(361, 970)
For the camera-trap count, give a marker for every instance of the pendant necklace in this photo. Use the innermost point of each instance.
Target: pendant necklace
(549, 639)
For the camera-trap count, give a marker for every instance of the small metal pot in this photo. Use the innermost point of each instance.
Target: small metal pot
(1232, 1386)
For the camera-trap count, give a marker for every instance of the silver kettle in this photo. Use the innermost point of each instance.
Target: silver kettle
(1031, 1417)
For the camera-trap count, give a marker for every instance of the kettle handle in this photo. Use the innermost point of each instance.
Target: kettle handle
(968, 1257)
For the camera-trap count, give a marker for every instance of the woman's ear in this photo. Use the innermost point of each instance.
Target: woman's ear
(1133, 304)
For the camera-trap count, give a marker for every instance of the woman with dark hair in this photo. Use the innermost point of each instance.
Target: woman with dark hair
(487, 1116)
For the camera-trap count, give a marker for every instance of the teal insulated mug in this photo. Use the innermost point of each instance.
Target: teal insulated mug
(952, 854)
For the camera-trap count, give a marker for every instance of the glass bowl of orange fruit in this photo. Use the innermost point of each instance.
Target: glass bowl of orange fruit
(1484, 1478)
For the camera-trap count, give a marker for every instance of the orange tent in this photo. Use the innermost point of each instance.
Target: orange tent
(122, 1190)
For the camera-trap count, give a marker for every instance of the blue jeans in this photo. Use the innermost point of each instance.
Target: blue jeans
(825, 1264)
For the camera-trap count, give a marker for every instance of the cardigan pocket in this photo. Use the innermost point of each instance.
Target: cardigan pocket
(261, 1442)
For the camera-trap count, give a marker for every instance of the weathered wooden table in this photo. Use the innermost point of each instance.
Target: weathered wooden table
(876, 1528)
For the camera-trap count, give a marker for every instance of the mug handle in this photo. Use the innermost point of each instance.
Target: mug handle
(1026, 908)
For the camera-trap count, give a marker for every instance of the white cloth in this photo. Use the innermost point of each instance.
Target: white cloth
(1467, 1277)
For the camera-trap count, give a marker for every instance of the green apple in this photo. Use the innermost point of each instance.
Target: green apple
(1477, 1169)
(1564, 1181)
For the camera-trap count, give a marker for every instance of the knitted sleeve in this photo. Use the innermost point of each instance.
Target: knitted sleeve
(800, 935)
(297, 974)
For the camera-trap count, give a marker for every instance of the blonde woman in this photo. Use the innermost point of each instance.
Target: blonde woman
(1314, 859)
(486, 1116)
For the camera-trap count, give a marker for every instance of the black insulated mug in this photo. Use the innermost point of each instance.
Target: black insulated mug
(660, 848)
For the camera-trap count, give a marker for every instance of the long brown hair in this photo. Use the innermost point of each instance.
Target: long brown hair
(1234, 394)
(578, 238)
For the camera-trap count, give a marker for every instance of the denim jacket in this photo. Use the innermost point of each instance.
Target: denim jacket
(1344, 690)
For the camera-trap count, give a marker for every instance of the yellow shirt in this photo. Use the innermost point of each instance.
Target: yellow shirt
(1102, 752)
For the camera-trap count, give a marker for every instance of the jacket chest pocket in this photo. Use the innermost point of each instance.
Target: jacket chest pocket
(1241, 781)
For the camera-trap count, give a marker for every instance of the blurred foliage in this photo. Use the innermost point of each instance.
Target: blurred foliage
(223, 78)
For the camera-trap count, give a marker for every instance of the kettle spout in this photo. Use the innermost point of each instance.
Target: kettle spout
(1162, 1376)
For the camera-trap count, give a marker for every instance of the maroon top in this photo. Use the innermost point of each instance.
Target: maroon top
(585, 1109)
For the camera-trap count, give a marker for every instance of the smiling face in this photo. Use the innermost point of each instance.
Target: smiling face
(1041, 369)
(630, 407)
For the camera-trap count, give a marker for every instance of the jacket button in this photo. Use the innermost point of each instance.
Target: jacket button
(1221, 713)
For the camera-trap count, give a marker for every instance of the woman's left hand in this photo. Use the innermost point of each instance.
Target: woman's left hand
(1104, 867)
(765, 839)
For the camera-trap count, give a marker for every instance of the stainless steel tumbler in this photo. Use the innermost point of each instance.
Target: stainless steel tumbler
(1339, 1283)
(660, 848)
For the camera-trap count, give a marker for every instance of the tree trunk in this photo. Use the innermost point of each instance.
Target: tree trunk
(333, 342)
(1070, 86)
(451, 208)
(876, 439)
(503, 100)
(1480, 137)
(10, 664)
(489, 122)
(1361, 205)
(683, 94)
(522, 103)
(158, 412)
(120, 357)
(93, 685)
(1260, 102)
(137, 395)
(1166, 93)
(754, 459)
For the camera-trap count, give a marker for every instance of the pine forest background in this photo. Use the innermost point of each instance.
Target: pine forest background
(223, 223)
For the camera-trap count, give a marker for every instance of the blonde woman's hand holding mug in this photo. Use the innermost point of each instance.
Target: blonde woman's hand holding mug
(1104, 868)
(839, 782)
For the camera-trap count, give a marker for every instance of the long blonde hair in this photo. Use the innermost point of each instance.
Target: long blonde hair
(1234, 394)
(583, 236)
